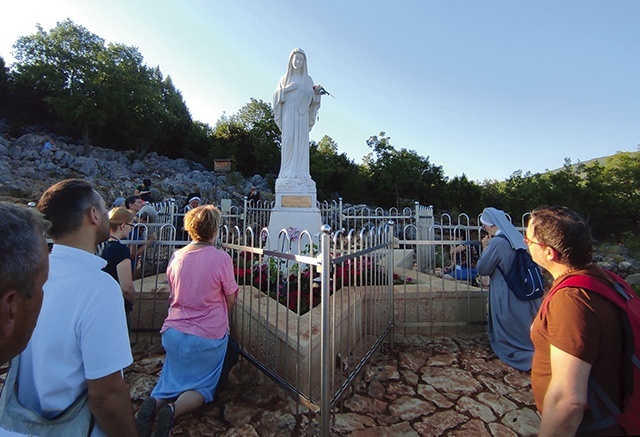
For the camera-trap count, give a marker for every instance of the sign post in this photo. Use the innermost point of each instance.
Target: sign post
(220, 167)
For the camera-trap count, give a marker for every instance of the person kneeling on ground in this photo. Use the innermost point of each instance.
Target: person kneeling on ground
(196, 331)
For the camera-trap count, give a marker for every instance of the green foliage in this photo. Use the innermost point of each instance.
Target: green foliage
(632, 242)
(462, 195)
(400, 177)
(607, 196)
(68, 79)
(250, 137)
(4, 88)
(333, 172)
(63, 65)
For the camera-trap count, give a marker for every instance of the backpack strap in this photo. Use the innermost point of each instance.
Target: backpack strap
(618, 292)
(599, 421)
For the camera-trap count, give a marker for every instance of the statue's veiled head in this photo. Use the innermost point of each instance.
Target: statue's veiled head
(297, 61)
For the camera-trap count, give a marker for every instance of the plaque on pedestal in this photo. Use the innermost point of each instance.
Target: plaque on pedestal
(296, 201)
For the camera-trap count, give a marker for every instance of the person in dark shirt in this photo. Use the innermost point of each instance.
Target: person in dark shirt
(144, 191)
(254, 195)
(118, 256)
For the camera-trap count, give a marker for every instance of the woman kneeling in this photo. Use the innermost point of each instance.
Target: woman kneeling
(196, 330)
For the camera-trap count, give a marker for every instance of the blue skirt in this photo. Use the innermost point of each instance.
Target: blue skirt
(192, 363)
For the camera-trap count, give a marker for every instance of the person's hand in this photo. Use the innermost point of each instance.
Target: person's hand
(485, 241)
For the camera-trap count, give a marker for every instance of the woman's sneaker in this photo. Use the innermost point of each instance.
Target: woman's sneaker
(145, 416)
(164, 421)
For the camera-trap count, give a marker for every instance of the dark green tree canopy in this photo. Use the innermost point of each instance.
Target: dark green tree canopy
(402, 177)
(105, 93)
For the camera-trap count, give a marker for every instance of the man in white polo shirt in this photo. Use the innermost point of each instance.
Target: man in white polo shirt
(81, 343)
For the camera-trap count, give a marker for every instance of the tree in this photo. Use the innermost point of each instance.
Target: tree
(463, 195)
(333, 173)
(199, 143)
(174, 119)
(400, 177)
(622, 171)
(64, 65)
(4, 88)
(327, 146)
(257, 118)
(251, 137)
(135, 98)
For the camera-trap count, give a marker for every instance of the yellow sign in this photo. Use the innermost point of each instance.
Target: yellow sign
(221, 165)
(296, 201)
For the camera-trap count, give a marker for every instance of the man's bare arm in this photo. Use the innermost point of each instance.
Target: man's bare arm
(110, 404)
(566, 396)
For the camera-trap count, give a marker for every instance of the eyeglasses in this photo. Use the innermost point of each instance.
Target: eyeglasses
(129, 224)
(530, 242)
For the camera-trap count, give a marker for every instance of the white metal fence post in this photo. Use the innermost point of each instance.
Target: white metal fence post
(325, 413)
(390, 264)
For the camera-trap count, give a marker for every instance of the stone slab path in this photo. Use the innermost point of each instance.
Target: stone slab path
(421, 387)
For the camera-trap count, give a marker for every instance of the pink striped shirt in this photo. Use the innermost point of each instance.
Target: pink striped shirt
(200, 279)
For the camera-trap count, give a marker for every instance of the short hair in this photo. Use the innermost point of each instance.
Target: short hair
(118, 216)
(202, 223)
(566, 232)
(131, 200)
(148, 214)
(146, 182)
(65, 203)
(21, 247)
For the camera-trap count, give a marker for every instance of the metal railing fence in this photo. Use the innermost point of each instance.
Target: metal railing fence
(311, 317)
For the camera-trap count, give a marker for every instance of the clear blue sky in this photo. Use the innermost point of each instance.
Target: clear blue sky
(483, 88)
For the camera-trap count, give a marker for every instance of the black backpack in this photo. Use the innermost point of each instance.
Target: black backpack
(524, 277)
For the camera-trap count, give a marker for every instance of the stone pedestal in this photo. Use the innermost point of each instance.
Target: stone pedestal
(295, 207)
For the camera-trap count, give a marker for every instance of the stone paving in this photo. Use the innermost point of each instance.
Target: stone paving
(421, 387)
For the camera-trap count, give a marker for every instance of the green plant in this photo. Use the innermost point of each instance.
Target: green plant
(632, 242)
(636, 288)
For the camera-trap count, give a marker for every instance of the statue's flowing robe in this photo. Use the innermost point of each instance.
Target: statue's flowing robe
(295, 112)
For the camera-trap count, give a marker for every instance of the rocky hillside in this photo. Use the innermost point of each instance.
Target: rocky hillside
(27, 169)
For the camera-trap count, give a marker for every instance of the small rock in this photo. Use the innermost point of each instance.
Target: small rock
(348, 422)
(476, 409)
(432, 395)
(402, 429)
(451, 380)
(442, 360)
(437, 423)
(361, 404)
(376, 389)
(524, 422)
(474, 427)
(408, 408)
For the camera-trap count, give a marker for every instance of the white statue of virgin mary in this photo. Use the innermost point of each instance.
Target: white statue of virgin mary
(295, 107)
